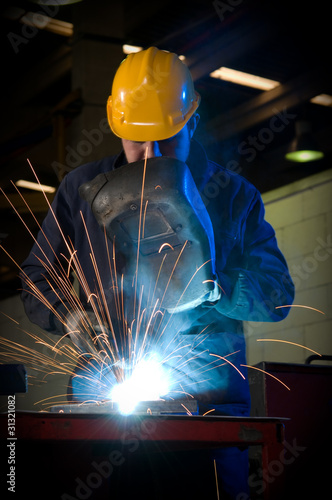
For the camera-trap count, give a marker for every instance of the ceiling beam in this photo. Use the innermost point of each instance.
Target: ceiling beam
(231, 39)
(268, 104)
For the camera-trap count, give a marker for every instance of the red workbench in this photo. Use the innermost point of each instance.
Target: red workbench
(40, 434)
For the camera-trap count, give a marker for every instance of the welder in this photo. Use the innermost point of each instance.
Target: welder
(153, 109)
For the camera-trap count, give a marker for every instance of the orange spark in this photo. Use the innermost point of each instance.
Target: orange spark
(92, 295)
(188, 411)
(182, 392)
(227, 361)
(140, 227)
(209, 411)
(212, 281)
(70, 261)
(12, 319)
(158, 186)
(176, 263)
(267, 373)
(288, 342)
(144, 217)
(165, 245)
(298, 305)
(170, 277)
(216, 476)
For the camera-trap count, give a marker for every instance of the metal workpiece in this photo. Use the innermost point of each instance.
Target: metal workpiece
(157, 407)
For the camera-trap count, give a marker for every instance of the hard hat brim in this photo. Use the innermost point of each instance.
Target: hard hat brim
(145, 131)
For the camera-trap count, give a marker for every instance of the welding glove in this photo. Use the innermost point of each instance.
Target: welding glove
(153, 213)
(206, 299)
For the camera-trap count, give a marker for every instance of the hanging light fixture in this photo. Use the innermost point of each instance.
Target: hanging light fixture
(304, 147)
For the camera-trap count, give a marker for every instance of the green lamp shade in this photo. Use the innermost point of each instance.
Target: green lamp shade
(303, 148)
(304, 155)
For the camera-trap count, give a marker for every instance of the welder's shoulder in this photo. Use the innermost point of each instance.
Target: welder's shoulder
(69, 187)
(230, 179)
(90, 170)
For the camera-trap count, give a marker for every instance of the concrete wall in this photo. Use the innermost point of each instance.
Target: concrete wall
(301, 214)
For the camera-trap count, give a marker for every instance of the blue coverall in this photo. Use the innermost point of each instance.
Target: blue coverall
(250, 268)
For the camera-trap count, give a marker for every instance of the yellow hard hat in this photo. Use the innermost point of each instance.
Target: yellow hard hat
(153, 96)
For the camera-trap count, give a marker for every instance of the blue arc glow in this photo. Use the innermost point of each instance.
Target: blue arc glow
(147, 382)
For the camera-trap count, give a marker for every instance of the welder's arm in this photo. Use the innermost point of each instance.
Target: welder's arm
(257, 284)
(42, 294)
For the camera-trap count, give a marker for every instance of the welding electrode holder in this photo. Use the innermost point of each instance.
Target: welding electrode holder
(153, 209)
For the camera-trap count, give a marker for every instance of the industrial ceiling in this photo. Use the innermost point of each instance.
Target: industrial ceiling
(242, 126)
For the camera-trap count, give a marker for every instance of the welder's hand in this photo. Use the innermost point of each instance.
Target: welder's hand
(207, 299)
(84, 330)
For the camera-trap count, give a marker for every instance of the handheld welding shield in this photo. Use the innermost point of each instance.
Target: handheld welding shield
(154, 215)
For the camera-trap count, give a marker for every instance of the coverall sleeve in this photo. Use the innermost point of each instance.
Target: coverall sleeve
(46, 267)
(257, 283)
